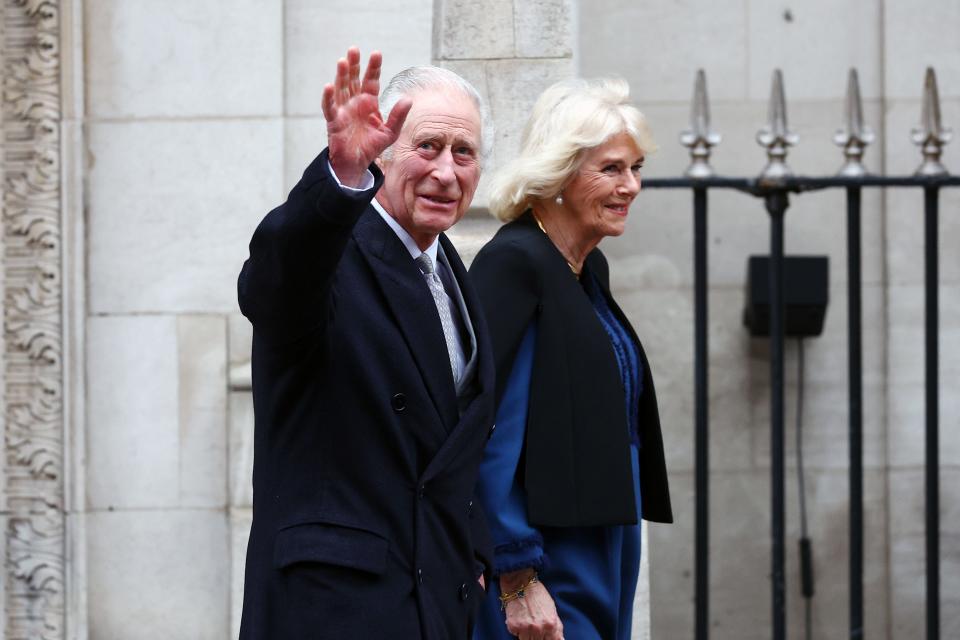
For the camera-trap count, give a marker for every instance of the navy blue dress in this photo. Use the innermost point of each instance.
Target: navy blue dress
(591, 572)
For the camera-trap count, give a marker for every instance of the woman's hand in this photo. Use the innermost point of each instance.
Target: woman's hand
(356, 132)
(534, 616)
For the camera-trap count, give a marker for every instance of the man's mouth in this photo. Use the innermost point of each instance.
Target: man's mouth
(442, 201)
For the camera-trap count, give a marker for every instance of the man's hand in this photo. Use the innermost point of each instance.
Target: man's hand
(356, 132)
(534, 616)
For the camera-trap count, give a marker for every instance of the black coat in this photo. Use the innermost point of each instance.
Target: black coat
(576, 465)
(364, 467)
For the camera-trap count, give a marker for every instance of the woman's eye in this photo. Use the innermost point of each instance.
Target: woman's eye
(636, 168)
(611, 168)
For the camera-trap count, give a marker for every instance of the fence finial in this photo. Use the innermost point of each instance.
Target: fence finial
(855, 135)
(775, 136)
(931, 135)
(699, 137)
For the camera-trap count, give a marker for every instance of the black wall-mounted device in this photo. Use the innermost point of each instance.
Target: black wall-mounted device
(805, 294)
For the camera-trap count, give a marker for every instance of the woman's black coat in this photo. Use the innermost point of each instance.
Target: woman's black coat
(576, 464)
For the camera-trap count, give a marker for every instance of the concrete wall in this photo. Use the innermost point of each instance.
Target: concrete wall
(658, 47)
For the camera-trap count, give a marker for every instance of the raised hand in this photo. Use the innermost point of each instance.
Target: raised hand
(356, 132)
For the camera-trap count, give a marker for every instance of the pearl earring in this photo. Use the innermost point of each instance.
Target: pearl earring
(559, 199)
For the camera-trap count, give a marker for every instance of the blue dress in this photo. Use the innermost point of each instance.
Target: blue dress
(591, 572)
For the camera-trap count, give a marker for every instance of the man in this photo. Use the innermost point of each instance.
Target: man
(372, 374)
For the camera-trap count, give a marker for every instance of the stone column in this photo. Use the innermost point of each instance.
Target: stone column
(31, 358)
(511, 50)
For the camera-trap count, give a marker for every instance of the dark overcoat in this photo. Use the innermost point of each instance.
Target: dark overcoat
(365, 463)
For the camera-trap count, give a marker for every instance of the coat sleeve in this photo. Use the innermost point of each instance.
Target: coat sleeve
(284, 286)
(507, 283)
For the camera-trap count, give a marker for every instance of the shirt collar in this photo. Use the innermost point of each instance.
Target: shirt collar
(405, 238)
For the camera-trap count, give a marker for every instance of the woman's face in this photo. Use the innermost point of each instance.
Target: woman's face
(600, 192)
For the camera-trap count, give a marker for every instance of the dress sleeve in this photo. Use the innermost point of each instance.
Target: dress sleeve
(517, 544)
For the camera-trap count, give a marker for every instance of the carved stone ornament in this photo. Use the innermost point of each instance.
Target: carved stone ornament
(32, 375)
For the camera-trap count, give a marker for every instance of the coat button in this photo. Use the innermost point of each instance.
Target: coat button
(422, 491)
(464, 592)
(419, 576)
(470, 508)
(398, 402)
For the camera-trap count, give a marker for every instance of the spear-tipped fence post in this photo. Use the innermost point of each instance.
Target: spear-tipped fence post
(931, 134)
(854, 136)
(699, 138)
(776, 137)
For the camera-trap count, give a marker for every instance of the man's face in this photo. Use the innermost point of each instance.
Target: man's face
(432, 174)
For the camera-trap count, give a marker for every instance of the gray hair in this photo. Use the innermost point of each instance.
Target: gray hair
(569, 118)
(414, 79)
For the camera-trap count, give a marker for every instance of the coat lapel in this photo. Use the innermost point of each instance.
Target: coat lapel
(413, 307)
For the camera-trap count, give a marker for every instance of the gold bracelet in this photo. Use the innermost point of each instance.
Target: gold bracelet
(510, 596)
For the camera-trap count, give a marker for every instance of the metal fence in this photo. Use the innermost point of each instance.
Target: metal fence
(774, 185)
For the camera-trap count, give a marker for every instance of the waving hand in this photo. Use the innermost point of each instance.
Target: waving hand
(356, 132)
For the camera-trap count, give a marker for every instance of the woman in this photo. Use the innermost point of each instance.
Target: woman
(577, 446)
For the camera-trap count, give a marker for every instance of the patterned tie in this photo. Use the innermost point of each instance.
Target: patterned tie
(442, 300)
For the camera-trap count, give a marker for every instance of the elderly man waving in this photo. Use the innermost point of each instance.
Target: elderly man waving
(372, 373)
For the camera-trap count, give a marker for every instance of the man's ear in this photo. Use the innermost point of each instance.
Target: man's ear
(379, 162)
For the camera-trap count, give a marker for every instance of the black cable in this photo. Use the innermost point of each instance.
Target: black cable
(806, 551)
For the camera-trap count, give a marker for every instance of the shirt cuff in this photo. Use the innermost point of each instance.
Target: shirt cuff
(366, 184)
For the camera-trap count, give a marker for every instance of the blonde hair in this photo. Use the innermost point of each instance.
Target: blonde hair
(568, 118)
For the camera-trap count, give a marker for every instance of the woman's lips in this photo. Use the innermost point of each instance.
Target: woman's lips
(619, 209)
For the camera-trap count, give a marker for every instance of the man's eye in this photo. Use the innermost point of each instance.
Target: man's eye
(636, 168)
(464, 151)
(425, 146)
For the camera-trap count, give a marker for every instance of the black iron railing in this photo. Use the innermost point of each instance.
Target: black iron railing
(774, 185)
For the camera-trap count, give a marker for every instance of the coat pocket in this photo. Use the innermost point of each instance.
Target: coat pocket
(329, 543)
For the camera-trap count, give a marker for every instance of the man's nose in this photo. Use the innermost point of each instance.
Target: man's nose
(443, 166)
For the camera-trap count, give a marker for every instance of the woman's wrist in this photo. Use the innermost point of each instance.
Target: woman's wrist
(513, 580)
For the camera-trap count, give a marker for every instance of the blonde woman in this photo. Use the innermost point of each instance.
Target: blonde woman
(576, 457)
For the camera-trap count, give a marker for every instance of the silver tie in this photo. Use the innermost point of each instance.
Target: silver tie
(442, 300)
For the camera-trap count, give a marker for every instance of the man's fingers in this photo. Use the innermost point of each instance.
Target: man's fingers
(398, 114)
(329, 112)
(371, 78)
(343, 81)
(353, 61)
